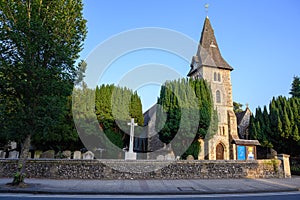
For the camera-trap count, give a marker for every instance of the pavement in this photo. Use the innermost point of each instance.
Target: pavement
(155, 187)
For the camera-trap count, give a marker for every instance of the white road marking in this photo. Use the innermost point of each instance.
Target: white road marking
(149, 196)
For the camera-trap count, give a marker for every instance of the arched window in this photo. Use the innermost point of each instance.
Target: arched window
(218, 96)
(215, 76)
(219, 77)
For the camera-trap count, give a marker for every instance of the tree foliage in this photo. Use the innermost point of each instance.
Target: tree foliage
(39, 44)
(114, 107)
(189, 113)
(295, 90)
(83, 110)
(237, 107)
(279, 127)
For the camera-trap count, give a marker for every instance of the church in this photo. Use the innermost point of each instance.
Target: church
(230, 142)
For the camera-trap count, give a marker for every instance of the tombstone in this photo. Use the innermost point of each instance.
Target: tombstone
(273, 153)
(29, 154)
(160, 157)
(190, 157)
(13, 145)
(88, 155)
(66, 154)
(2, 154)
(168, 147)
(165, 146)
(13, 154)
(170, 156)
(77, 155)
(48, 154)
(37, 154)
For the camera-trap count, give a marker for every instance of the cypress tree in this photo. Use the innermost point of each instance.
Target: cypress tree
(184, 101)
(135, 109)
(286, 124)
(252, 128)
(114, 106)
(295, 90)
(280, 127)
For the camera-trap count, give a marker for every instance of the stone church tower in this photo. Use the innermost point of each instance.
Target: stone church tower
(209, 64)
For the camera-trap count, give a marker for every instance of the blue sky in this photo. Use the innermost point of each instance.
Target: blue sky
(259, 39)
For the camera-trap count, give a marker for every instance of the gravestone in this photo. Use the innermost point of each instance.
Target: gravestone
(77, 155)
(190, 157)
(67, 154)
(37, 154)
(88, 155)
(13, 145)
(13, 154)
(170, 156)
(160, 157)
(29, 154)
(273, 153)
(2, 154)
(48, 154)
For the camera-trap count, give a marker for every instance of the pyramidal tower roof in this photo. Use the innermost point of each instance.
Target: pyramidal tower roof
(208, 51)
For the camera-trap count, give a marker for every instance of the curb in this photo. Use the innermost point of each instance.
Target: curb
(195, 192)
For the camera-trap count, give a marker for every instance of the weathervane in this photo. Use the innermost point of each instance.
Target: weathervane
(206, 8)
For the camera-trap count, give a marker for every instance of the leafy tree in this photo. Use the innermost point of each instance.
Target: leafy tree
(295, 90)
(64, 134)
(40, 42)
(237, 107)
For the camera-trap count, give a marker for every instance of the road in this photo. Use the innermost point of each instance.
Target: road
(264, 196)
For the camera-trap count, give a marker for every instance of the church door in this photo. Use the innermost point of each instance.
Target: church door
(220, 152)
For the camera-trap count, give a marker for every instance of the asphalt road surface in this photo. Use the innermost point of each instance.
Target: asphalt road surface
(266, 196)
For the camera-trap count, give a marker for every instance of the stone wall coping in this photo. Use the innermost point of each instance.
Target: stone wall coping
(139, 161)
(283, 155)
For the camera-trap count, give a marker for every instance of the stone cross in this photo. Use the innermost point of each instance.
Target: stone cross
(132, 125)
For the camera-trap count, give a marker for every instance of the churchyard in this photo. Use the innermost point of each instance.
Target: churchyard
(68, 130)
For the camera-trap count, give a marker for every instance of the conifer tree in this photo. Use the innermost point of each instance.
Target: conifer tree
(184, 101)
(278, 128)
(114, 107)
(252, 128)
(295, 90)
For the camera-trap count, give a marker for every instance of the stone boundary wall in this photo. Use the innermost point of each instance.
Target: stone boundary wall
(108, 169)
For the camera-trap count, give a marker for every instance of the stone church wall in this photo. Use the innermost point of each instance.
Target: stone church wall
(96, 169)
